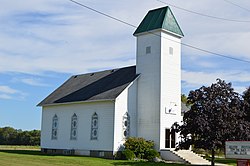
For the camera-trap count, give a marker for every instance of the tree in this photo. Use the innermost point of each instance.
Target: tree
(184, 99)
(246, 97)
(35, 137)
(216, 116)
(11, 136)
(8, 136)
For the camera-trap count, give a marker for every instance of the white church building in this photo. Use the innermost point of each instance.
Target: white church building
(93, 114)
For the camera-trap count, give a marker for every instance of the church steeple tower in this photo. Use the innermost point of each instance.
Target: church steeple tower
(158, 61)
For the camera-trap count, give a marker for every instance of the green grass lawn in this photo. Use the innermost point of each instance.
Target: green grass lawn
(35, 158)
(225, 161)
(25, 156)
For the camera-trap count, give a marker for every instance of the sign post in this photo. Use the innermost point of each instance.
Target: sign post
(239, 150)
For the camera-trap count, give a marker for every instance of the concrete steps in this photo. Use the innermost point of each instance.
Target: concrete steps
(191, 157)
(185, 156)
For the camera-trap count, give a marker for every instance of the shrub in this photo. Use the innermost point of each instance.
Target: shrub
(151, 154)
(141, 148)
(129, 154)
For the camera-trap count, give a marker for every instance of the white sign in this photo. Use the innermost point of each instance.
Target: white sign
(172, 108)
(237, 149)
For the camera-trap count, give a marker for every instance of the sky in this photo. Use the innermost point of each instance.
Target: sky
(44, 42)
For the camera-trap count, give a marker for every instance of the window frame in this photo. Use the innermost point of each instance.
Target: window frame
(126, 125)
(94, 127)
(54, 132)
(171, 51)
(148, 50)
(73, 130)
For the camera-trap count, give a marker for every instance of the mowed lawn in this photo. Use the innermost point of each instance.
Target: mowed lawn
(25, 156)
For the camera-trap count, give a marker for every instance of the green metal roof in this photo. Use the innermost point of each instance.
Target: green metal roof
(161, 18)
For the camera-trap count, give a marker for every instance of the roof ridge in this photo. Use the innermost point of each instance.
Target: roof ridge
(102, 71)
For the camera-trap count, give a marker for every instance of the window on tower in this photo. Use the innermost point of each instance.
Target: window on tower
(148, 50)
(171, 51)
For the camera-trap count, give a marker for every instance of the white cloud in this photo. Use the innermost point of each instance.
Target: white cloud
(59, 36)
(63, 37)
(5, 96)
(192, 79)
(240, 89)
(7, 92)
(33, 82)
(234, 44)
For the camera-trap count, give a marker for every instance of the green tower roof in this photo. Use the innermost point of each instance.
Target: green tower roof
(161, 18)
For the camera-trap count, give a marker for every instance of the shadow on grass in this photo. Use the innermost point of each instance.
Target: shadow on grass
(38, 153)
(27, 152)
(35, 153)
(142, 163)
(224, 161)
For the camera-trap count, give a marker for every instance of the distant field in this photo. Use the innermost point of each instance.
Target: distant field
(10, 147)
(26, 155)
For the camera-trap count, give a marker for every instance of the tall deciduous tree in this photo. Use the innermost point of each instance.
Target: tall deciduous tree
(216, 116)
(246, 96)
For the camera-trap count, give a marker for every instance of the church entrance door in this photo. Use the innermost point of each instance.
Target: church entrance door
(169, 138)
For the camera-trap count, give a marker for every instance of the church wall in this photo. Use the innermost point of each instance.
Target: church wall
(148, 65)
(132, 108)
(170, 83)
(125, 102)
(84, 112)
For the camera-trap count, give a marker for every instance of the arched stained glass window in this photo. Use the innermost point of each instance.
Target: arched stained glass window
(126, 125)
(94, 127)
(54, 132)
(73, 133)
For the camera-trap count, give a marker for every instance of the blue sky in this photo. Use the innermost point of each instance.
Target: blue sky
(44, 42)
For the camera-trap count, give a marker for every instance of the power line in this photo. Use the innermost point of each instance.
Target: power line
(204, 15)
(214, 53)
(184, 44)
(109, 16)
(232, 3)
